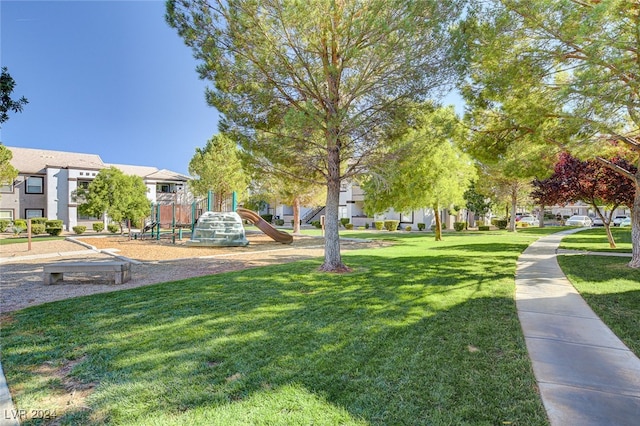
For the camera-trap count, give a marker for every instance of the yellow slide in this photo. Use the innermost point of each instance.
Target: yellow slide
(264, 226)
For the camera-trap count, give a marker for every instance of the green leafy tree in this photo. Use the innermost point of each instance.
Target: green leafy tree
(477, 202)
(7, 172)
(7, 84)
(581, 58)
(217, 167)
(343, 70)
(431, 172)
(504, 189)
(115, 194)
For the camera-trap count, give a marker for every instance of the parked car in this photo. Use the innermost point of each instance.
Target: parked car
(625, 222)
(618, 219)
(527, 221)
(578, 221)
(597, 222)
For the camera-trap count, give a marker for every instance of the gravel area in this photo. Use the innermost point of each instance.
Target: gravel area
(153, 261)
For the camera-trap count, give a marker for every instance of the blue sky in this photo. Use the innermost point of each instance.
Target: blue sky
(103, 77)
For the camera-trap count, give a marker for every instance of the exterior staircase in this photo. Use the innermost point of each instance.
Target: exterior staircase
(313, 215)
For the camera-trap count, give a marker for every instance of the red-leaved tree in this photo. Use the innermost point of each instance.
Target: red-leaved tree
(590, 182)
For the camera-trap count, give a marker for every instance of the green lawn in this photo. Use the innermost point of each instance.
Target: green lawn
(595, 239)
(419, 333)
(16, 240)
(610, 288)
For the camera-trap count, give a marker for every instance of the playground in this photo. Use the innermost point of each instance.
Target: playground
(146, 250)
(154, 261)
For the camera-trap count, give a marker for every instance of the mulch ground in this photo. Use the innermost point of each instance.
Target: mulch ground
(153, 261)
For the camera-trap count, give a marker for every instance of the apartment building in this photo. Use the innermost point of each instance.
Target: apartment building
(47, 179)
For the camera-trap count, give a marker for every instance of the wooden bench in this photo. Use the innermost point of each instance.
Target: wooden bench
(54, 272)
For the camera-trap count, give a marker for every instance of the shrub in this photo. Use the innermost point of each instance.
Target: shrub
(348, 226)
(267, 217)
(79, 229)
(421, 226)
(366, 225)
(98, 226)
(20, 223)
(379, 225)
(501, 223)
(480, 222)
(443, 226)
(113, 228)
(37, 228)
(407, 228)
(459, 226)
(54, 223)
(54, 231)
(279, 222)
(344, 221)
(4, 224)
(54, 227)
(39, 220)
(391, 225)
(317, 224)
(483, 228)
(17, 230)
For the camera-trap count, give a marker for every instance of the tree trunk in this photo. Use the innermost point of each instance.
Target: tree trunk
(332, 258)
(438, 230)
(635, 225)
(296, 215)
(607, 228)
(541, 217)
(514, 206)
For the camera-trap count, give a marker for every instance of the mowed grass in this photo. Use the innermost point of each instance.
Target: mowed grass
(611, 289)
(595, 239)
(18, 240)
(422, 332)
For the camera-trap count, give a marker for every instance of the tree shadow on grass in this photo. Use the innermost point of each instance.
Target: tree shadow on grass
(420, 340)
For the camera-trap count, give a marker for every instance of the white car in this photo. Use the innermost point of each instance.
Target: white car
(618, 219)
(625, 222)
(527, 221)
(578, 221)
(597, 222)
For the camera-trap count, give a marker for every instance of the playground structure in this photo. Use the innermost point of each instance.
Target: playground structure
(176, 217)
(208, 228)
(264, 226)
(218, 229)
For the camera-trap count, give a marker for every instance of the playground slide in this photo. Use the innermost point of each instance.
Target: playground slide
(264, 226)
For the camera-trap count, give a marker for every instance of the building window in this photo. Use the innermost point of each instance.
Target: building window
(166, 187)
(84, 184)
(406, 217)
(342, 211)
(31, 213)
(35, 185)
(6, 214)
(6, 188)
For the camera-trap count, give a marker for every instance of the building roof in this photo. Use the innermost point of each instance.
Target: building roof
(150, 173)
(29, 160)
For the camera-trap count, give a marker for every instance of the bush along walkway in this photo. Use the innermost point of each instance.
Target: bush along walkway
(586, 375)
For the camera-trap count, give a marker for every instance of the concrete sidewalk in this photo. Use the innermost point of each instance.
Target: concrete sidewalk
(586, 375)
